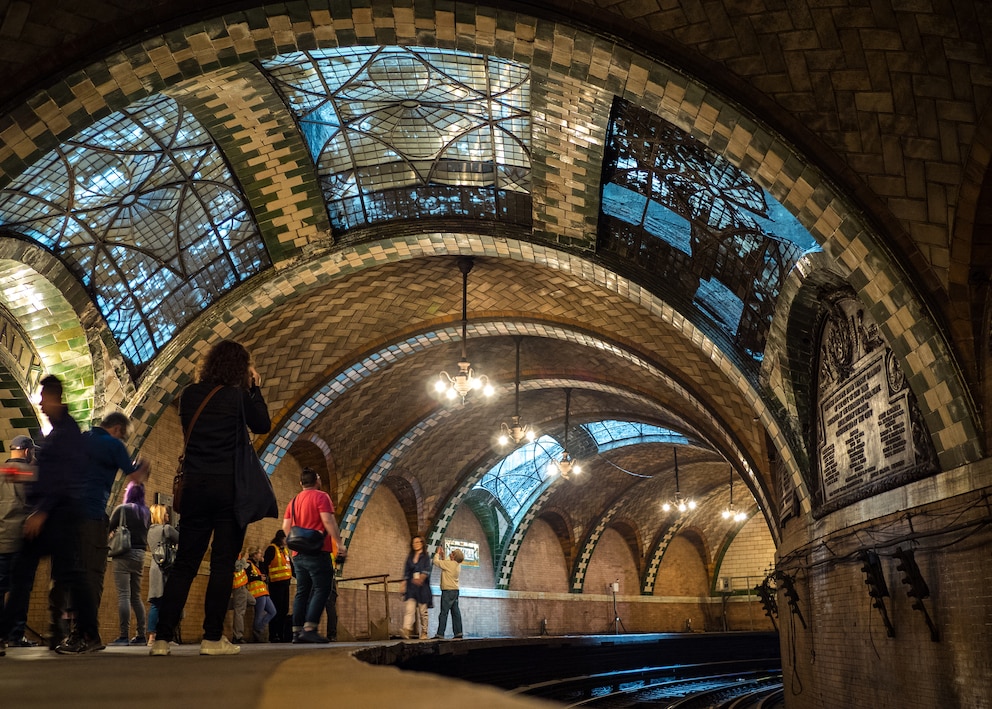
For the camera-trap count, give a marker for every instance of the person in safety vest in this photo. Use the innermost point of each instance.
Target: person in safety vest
(280, 571)
(259, 589)
(240, 598)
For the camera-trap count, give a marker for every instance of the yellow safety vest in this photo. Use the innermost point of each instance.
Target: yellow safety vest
(280, 569)
(256, 586)
(240, 579)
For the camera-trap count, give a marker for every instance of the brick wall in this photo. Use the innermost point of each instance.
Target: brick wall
(538, 586)
(845, 658)
(749, 555)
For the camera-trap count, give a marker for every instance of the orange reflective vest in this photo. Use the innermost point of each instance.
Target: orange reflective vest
(240, 579)
(280, 568)
(256, 585)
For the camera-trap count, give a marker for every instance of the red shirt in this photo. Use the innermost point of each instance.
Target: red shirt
(308, 505)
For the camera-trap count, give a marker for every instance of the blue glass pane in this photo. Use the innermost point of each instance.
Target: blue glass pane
(613, 434)
(698, 223)
(144, 210)
(516, 477)
(412, 132)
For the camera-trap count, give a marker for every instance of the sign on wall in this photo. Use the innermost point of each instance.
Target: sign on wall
(870, 434)
(469, 549)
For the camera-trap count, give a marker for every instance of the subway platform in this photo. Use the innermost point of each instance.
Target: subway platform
(351, 675)
(262, 676)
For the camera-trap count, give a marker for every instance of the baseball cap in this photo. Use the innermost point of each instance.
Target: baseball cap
(21, 443)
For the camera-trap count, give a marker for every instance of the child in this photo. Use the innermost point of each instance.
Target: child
(450, 570)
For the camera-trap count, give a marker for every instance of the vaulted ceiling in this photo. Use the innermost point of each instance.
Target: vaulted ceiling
(643, 200)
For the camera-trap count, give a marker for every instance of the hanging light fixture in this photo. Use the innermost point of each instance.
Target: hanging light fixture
(566, 466)
(465, 380)
(681, 502)
(515, 432)
(731, 512)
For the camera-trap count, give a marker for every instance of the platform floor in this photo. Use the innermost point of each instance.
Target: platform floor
(263, 676)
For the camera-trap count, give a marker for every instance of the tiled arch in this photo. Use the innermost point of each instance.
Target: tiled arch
(586, 60)
(56, 314)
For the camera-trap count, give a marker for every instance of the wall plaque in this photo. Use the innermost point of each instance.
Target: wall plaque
(870, 432)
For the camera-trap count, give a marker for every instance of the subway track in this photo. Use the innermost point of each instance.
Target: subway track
(732, 670)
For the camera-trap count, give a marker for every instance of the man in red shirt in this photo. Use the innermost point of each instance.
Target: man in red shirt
(312, 509)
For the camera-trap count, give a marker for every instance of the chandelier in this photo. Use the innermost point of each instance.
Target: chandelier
(465, 380)
(515, 432)
(731, 513)
(681, 502)
(566, 466)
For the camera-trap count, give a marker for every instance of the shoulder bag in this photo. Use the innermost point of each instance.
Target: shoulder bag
(304, 540)
(177, 481)
(254, 498)
(119, 541)
(164, 553)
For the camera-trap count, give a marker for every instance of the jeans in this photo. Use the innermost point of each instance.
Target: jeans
(153, 614)
(128, 569)
(208, 511)
(264, 612)
(449, 602)
(313, 585)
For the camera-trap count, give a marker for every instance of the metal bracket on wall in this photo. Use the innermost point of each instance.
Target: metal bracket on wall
(918, 588)
(875, 580)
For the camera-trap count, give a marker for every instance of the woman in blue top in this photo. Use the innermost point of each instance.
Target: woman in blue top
(416, 588)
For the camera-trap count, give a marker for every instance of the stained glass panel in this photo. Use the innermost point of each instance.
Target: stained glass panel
(696, 221)
(408, 132)
(144, 210)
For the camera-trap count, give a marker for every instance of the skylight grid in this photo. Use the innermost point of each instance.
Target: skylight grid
(515, 478)
(698, 222)
(140, 206)
(435, 112)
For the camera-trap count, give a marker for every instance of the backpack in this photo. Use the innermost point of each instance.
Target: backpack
(164, 553)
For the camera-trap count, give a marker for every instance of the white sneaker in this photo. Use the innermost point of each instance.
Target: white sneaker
(219, 647)
(160, 647)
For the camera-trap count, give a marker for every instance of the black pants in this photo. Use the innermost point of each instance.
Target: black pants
(59, 539)
(208, 511)
(280, 627)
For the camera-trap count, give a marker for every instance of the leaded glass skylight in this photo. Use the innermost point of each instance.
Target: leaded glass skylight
(514, 480)
(615, 434)
(412, 132)
(143, 209)
(698, 223)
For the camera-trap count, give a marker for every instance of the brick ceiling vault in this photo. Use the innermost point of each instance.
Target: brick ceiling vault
(332, 306)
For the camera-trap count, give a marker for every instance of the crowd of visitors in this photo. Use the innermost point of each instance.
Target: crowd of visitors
(54, 497)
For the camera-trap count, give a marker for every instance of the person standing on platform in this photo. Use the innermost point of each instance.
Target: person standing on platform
(160, 531)
(240, 598)
(17, 472)
(52, 526)
(450, 572)
(416, 589)
(129, 567)
(106, 454)
(259, 590)
(224, 400)
(312, 509)
(276, 563)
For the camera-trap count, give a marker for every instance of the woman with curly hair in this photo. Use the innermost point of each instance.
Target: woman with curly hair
(227, 396)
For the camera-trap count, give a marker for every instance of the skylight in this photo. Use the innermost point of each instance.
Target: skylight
(409, 132)
(699, 223)
(143, 209)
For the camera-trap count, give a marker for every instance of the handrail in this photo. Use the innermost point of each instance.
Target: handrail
(381, 579)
